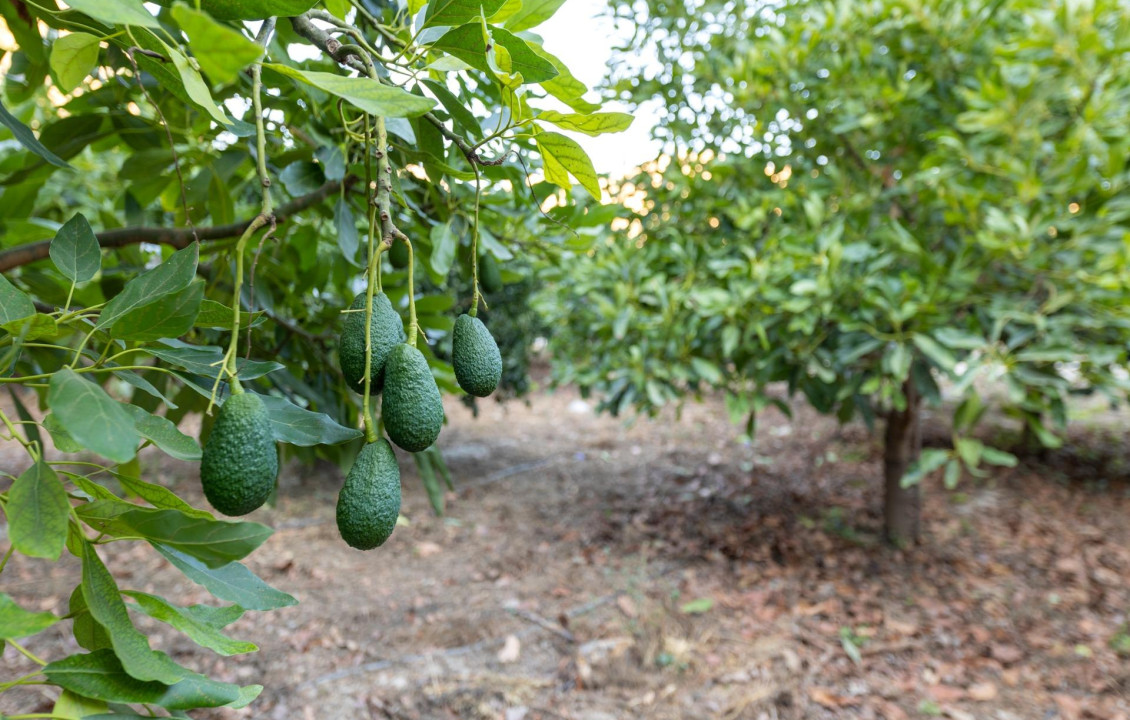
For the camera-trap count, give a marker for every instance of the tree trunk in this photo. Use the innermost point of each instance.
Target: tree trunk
(902, 443)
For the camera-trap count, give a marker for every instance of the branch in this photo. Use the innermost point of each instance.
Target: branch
(177, 237)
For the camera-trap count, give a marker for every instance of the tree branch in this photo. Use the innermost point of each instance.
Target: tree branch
(177, 237)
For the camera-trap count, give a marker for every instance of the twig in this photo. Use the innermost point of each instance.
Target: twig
(545, 624)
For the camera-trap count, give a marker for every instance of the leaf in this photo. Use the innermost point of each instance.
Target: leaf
(200, 632)
(169, 317)
(232, 582)
(38, 511)
(937, 354)
(213, 542)
(467, 43)
(73, 57)
(25, 137)
(204, 360)
(565, 87)
(297, 426)
(100, 675)
(998, 457)
(171, 276)
(194, 84)
(697, 607)
(532, 14)
(930, 460)
(164, 434)
(91, 417)
(302, 177)
(14, 303)
(593, 125)
(117, 12)
(346, 228)
(15, 622)
(561, 153)
(365, 93)
(332, 160)
(463, 117)
(131, 647)
(217, 315)
(159, 496)
(76, 707)
(443, 249)
(221, 51)
(457, 12)
(33, 328)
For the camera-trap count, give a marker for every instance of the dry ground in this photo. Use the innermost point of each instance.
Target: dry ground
(591, 570)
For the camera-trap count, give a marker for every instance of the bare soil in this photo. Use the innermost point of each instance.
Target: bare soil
(591, 569)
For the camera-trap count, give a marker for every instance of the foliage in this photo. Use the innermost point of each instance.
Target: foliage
(858, 196)
(187, 204)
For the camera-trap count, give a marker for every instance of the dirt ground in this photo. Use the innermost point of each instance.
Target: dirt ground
(592, 570)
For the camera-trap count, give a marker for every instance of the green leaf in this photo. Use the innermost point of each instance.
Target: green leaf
(73, 57)
(203, 359)
(169, 317)
(697, 607)
(952, 474)
(14, 303)
(364, 93)
(200, 632)
(998, 457)
(164, 434)
(76, 707)
(594, 124)
(171, 276)
(25, 137)
(467, 43)
(457, 12)
(232, 582)
(15, 622)
(937, 354)
(117, 12)
(463, 117)
(159, 496)
(100, 675)
(75, 250)
(302, 177)
(38, 511)
(221, 51)
(561, 154)
(565, 87)
(928, 461)
(532, 14)
(194, 84)
(297, 426)
(33, 328)
(63, 440)
(86, 630)
(131, 647)
(970, 449)
(443, 249)
(91, 417)
(217, 315)
(346, 228)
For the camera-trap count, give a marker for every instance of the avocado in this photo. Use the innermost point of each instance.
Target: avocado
(490, 277)
(412, 408)
(475, 356)
(387, 331)
(369, 502)
(398, 255)
(240, 463)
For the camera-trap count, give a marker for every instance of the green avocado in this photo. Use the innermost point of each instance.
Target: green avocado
(249, 9)
(387, 331)
(240, 462)
(475, 356)
(412, 408)
(398, 255)
(490, 277)
(369, 502)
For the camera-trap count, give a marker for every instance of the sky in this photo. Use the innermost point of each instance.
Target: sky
(583, 40)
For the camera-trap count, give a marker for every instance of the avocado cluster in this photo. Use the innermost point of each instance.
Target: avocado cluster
(240, 463)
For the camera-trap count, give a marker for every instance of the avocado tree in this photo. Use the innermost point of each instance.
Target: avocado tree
(872, 202)
(263, 212)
